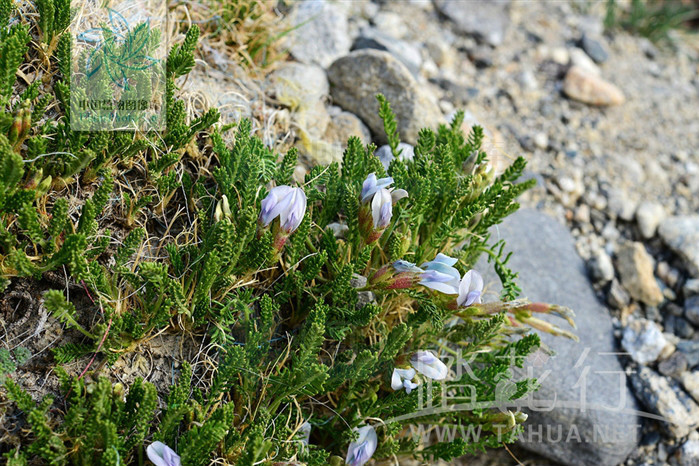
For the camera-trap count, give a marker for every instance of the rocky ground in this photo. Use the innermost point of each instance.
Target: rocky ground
(609, 125)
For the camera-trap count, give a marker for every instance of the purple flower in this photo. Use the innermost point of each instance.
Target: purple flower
(402, 378)
(440, 275)
(287, 203)
(470, 289)
(427, 364)
(371, 185)
(377, 198)
(360, 451)
(162, 455)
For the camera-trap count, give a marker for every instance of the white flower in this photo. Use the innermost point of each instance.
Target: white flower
(287, 203)
(360, 451)
(402, 378)
(470, 289)
(382, 199)
(440, 274)
(427, 364)
(162, 455)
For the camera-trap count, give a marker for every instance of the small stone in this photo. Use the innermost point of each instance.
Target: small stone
(385, 155)
(582, 60)
(594, 49)
(690, 348)
(364, 298)
(601, 267)
(643, 340)
(665, 397)
(583, 86)
(667, 274)
(527, 79)
(442, 54)
(648, 216)
(582, 214)
(481, 56)
(319, 33)
(390, 23)
(688, 453)
(683, 328)
(358, 281)
(339, 229)
(691, 287)
(635, 267)
(541, 141)
(681, 234)
(690, 382)
(691, 310)
(619, 204)
(487, 20)
(673, 309)
(357, 78)
(674, 365)
(343, 125)
(560, 55)
(617, 297)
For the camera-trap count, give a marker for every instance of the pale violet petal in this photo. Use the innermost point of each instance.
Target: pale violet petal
(398, 194)
(396, 382)
(360, 451)
(476, 281)
(368, 187)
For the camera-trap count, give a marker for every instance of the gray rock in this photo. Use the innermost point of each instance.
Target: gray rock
(673, 366)
(683, 328)
(407, 53)
(550, 270)
(343, 125)
(648, 216)
(682, 235)
(635, 267)
(691, 309)
(643, 340)
(617, 296)
(385, 155)
(688, 453)
(487, 20)
(594, 49)
(601, 267)
(619, 204)
(666, 398)
(690, 348)
(358, 281)
(321, 32)
(359, 76)
(580, 59)
(691, 287)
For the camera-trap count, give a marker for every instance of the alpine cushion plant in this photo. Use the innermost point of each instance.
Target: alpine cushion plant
(324, 336)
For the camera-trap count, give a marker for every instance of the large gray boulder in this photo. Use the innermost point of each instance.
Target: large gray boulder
(584, 413)
(355, 79)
